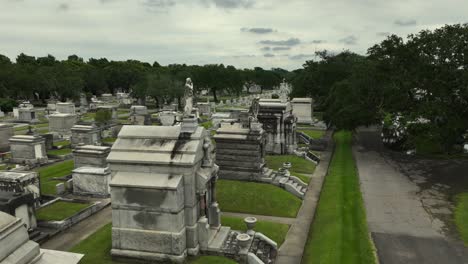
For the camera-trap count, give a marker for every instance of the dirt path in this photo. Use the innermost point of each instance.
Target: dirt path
(69, 238)
(402, 229)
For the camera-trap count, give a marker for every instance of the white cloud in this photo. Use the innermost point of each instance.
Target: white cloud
(207, 31)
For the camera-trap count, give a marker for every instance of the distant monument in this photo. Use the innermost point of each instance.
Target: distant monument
(188, 97)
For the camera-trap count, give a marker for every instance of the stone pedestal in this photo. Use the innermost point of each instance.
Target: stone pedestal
(91, 156)
(163, 184)
(6, 132)
(204, 109)
(65, 108)
(240, 152)
(167, 118)
(87, 135)
(29, 149)
(61, 124)
(302, 109)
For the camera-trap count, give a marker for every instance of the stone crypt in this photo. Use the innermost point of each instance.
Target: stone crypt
(163, 193)
(28, 149)
(279, 124)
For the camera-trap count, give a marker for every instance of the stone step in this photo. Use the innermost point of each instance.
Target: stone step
(219, 238)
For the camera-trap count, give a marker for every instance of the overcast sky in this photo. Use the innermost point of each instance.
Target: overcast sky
(243, 33)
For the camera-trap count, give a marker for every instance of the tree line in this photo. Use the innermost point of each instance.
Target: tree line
(419, 82)
(41, 78)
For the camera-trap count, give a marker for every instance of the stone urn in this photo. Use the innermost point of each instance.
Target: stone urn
(287, 165)
(250, 222)
(243, 240)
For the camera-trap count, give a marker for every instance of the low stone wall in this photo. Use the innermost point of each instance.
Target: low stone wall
(74, 219)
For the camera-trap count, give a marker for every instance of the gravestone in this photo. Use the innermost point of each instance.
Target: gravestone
(204, 109)
(279, 124)
(27, 115)
(302, 109)
(2, 114)
(163, 194)
(139, 115)
(65, 108)
(48, 141)
(6, 132)
(28, 149)
(19, 195)
(91, 156)
(61, 124)
(91, 175)
(111, 108)
(87, 135)
(17, 248)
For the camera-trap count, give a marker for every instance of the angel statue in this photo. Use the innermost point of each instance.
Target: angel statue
(188, 97)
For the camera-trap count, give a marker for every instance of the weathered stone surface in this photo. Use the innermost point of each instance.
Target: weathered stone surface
(302, 109)
(91, 156)
(163, 179)
(91, 181)
(65, 108)
(6, 132)
(28, 149)
(17, 248)
(279, 124)
(88, 135)
(61, 124)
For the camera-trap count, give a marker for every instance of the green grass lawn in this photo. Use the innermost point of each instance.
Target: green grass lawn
(275, 231)
(314, 134)
(97, 250)
(59, 152)
(57, 170)
(109, 140)
(59, 210)
(461, 216)
(62, 143)
(256, 198)
(339, 232)
(299, 166)
(207, 124)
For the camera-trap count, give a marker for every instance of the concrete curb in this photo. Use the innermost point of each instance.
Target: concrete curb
(292, 250)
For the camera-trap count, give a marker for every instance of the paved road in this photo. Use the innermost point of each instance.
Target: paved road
(402, 230)
(69, 238)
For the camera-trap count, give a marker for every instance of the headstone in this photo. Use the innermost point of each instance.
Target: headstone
(65, 108)
(2, 114)
(28, 149)
(139, 115)
(163, 194)
(139, 109)
(27, 115)
(91, 156)
(112, 109)
(6, 132)
(87, 135)
(49, 141)
(17, 248)
(204, 108)
(60, 188)
(61, 124)
(302, 109)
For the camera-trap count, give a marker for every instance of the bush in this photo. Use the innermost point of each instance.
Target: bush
(6, 104)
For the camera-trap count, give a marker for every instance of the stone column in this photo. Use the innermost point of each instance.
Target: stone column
(214, 213)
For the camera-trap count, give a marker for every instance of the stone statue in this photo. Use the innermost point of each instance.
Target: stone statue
(188, 97)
